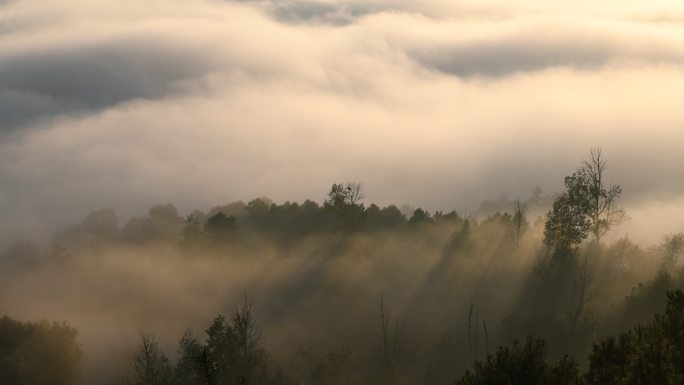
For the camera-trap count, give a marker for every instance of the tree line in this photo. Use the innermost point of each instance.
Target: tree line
(544, 339)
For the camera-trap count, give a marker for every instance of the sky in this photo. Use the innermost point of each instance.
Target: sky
(440, 104)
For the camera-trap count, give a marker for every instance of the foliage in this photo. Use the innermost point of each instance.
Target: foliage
(163, 224)
(524, 364)
(150, 364)
(673, 249)
(647, 354)
(589, 188)
(345, 201)
(385, 218)
(220, 228)
(587, 206)
(554, 301)
(231, 355)
(39, 353)
(566, 224)
(520, 223)
(419, 216)
(193, 365)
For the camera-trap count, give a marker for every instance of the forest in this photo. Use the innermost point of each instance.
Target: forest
(528, 291)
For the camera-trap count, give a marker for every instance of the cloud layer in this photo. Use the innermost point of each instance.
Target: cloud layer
(433, 103)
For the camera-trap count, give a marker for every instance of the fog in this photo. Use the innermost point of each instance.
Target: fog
(317, 289)
(437, 104)
(111, 294)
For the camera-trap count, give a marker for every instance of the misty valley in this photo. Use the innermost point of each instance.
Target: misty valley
(537, 290)
(341, 192)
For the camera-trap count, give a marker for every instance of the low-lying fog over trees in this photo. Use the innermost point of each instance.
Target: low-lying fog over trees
(530, 291)
(437, 104)
(328, 192)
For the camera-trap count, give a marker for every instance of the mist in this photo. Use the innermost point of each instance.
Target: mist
(317, 286)
(124, 105)
(110, 110)
(111, 293)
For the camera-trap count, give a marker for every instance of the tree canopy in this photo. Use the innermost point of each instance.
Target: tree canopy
(587, 206)
(38, 353)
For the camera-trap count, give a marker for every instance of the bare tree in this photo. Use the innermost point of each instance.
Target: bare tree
(246, 330)
(588, 206)
(600, 197)
(345, 200)
(474, 334)
(520, 223)
(583, 292)
(486, 336)
(150, 364)
(470, 335)
(345, 194)
(389, 338)
(542, 251)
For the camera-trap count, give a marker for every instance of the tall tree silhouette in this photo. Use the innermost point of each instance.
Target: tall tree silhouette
(589, 205)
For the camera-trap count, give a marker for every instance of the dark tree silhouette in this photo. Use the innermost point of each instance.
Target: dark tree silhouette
(524, 364)
(647, 354)
(672, 249)
(40, 353)
(566, 224)
(220, 228)
(520, 223)
(389, 339)
(230, 356)
(419, 216)
(590, 186)
(150, 364)
(345, 201)
(162, 225)
(589, 205)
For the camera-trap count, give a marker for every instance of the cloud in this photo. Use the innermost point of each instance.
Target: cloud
(510, 56)
(126, 105)
(511, 47)
(317, 12)
(50, 82)
(64, 64)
